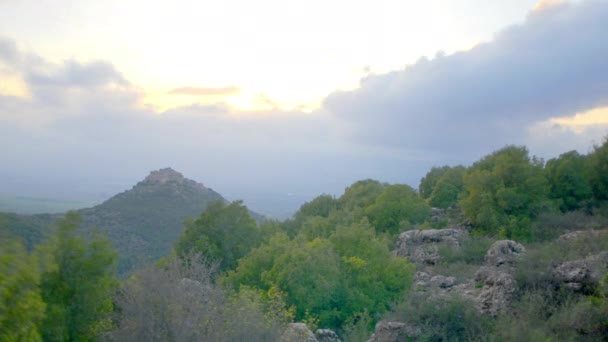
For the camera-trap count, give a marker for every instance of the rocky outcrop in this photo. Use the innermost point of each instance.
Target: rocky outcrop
(326, 335)
(496, 277)
(391, 331)
(298, 332)
(421, 246)
(581, 274)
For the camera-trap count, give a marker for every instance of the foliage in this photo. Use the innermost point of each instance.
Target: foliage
(472, 250)
(504, 191)
(320, 206)
(597, 171)
(359, 196)
(443, 318)
(395, 205)
(223, 232)
(442, 185)
(331, 278)
(30, 230)
(78, 284)
(21, 306)
(567, 181)
(180, 302)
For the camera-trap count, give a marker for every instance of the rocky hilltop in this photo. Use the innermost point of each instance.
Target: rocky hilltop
(142, 222)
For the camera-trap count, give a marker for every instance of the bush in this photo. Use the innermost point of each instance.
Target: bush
(443, 318)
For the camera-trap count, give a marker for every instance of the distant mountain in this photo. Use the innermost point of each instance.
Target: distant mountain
(142, 223)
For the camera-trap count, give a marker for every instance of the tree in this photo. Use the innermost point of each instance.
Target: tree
(598, 171)
(567, 182)
(223, 232)
(360, 194)
(78, 285)
(430, 180)
(504, 191)
(21, 306)
(178, 301)
(397, 205)
(320, 206)
(447, 189)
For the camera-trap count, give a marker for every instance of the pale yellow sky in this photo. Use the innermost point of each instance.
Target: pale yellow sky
(271, 54)
(289, 54)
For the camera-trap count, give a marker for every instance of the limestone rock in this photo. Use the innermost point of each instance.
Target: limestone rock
(298, 332)
(496, 278)
(503, 252)
(391, 331)
(326, 335)
(421, 246)
(442, 281)
(579, 273)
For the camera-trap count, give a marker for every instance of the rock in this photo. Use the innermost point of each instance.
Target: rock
(298, 332)
(442, 281)
(496, 294)
(437, 214)
(391, 331)
(578, 234)
(326, 335)
(579, 274)
(503, 252)
(421, 246)
(496, 277)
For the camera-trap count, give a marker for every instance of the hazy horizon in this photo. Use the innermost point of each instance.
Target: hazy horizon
(276, 104)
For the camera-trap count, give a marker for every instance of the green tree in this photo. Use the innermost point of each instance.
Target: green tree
(567, 181)
(223, 232)
(430, 180)
(598, 171)
(78, 285)
(447, 189)
(360, 195)
(21, 306)
(395, 206)
(320, 206)
(504, 191)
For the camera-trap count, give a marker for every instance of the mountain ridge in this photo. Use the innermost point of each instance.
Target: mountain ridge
(142, 222)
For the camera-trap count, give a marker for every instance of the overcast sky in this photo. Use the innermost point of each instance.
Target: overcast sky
(274, 98)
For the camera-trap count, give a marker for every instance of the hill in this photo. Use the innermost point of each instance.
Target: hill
(142, 223)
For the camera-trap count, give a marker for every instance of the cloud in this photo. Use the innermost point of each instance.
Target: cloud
(83, 126)
(552, 65)
(206, 91)
(8, 51)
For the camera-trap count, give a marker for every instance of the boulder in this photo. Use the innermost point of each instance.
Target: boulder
(442, 281)
(581, 274)
(326, 335)
(421, 246)
(496, 277)
(503, 252)
(392, 331)
(298, 332)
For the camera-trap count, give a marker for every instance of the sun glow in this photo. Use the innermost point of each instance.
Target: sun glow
(580, 121)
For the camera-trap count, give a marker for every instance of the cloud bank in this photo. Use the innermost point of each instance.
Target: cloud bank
(553, 65)
(82, 126)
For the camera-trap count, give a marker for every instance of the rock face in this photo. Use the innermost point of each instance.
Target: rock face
(421, 246)
(496, 277)
(579, 274)
(391, 331)
(326, 335)
(298, 332)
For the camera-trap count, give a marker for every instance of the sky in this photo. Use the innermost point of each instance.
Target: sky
(276, 102)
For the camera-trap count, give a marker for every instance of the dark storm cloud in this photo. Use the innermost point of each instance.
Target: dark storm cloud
(552, 65)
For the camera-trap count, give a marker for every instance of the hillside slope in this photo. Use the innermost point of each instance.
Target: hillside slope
(142, 223)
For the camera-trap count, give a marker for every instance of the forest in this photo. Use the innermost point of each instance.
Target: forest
(336, 264)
